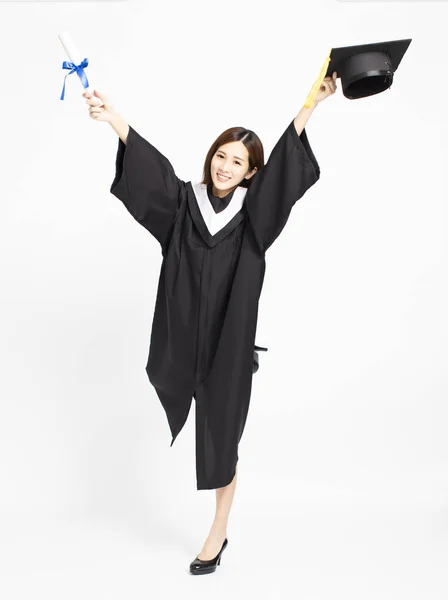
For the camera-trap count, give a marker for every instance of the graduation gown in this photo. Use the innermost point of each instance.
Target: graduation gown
(213, 265)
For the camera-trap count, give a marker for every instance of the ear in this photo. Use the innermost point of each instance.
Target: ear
(252, 173)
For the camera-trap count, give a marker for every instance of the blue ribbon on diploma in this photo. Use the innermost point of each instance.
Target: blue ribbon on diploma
(79, 70)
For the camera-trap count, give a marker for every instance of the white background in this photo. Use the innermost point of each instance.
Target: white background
(343, 475)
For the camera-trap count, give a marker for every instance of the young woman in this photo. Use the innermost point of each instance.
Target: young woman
(213, 236)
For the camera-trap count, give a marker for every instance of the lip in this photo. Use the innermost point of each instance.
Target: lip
(224, 178)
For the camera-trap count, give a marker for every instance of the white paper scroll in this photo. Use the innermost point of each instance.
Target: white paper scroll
(76, 58)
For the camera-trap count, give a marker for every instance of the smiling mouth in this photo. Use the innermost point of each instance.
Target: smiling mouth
(222, 178)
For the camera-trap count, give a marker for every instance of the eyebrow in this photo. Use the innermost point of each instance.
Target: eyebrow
(241, 159)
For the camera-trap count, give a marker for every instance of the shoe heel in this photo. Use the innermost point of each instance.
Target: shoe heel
(219, 561)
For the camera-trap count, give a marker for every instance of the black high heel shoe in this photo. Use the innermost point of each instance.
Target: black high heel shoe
(201, 567)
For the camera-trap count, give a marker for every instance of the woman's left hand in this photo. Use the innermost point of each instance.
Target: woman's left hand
(328, 88)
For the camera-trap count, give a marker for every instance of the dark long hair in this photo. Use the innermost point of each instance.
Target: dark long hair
(236, 134)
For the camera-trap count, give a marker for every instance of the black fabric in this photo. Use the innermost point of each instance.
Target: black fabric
(203, 332)
(219, 204)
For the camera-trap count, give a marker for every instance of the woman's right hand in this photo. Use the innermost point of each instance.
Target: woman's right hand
(105, 113)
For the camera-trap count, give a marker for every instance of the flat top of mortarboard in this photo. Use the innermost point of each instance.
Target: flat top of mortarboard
(394, 49)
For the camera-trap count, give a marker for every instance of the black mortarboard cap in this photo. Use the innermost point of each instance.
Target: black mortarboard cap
(368, 69)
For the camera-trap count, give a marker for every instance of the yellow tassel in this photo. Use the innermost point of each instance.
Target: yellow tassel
(316, 87)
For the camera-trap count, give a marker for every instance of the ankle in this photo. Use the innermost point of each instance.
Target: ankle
(220, 523)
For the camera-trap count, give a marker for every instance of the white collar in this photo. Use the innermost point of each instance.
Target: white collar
(217, 221)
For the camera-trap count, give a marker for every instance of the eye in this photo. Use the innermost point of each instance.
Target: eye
(219, 155)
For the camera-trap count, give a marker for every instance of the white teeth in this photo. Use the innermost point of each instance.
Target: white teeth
(222, 177)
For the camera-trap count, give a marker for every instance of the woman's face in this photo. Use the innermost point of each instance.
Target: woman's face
(229, 166)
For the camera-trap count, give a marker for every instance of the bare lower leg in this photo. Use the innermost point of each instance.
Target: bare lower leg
(218, 530)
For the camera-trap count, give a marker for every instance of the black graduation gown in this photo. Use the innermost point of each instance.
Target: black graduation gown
(203, 331)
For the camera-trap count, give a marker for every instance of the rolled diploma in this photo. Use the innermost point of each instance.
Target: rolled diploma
(75, 57)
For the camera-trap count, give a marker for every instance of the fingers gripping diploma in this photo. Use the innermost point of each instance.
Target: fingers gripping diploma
(105, 112)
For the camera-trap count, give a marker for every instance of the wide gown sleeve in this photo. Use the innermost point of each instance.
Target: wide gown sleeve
(290, 171)
(146, 184)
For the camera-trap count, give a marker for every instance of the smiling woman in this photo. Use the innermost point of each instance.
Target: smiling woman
(213, 235)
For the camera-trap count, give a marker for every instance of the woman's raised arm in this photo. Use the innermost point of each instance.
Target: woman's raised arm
(144, 179)
(147, 185)
(290, 171)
